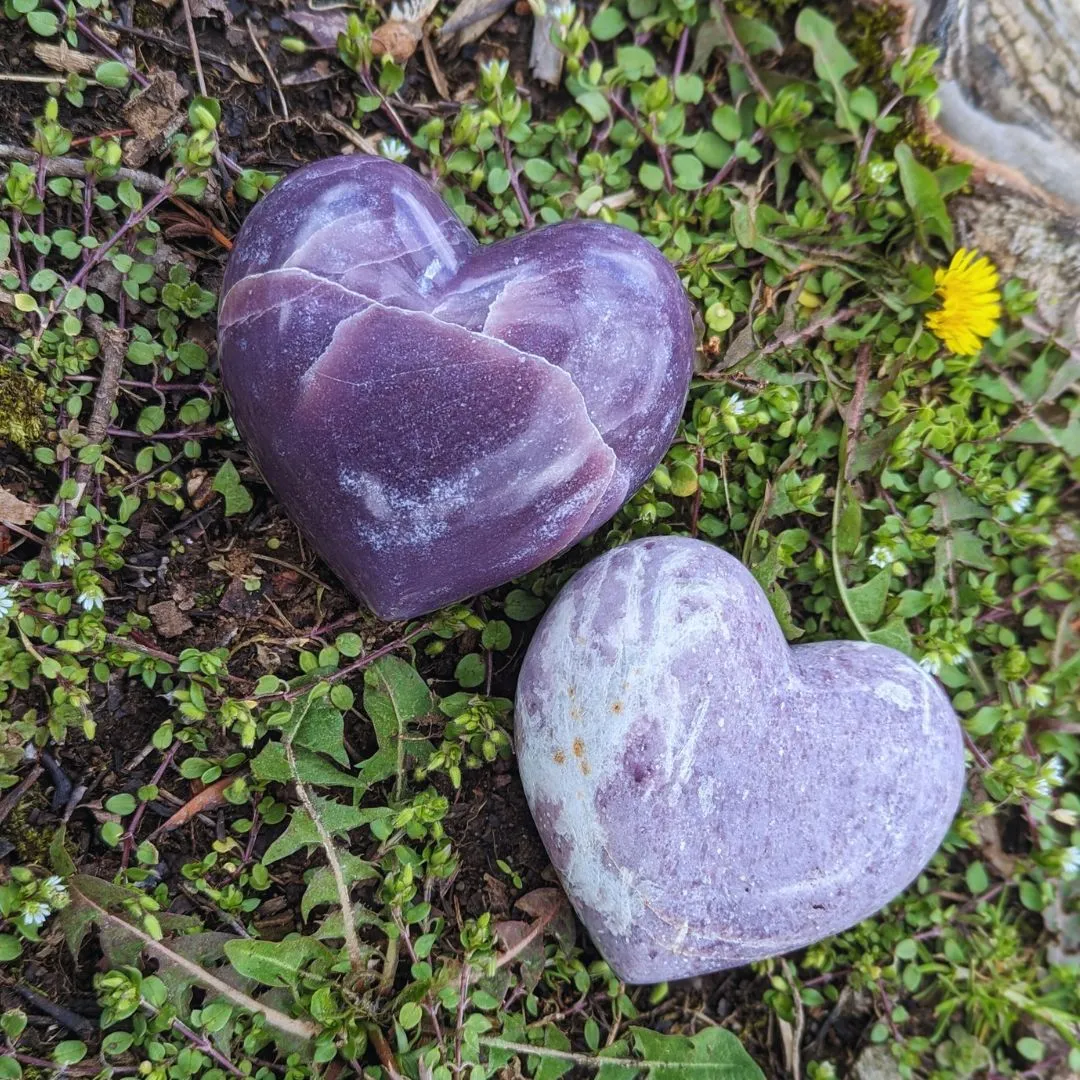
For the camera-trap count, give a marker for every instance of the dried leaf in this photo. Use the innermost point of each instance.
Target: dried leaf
(545, 58)
(246, 73)
(398, 40)
(169, 621)
(206, 9)
(989, 830)
(63, 58)
(153, 114)
(541, 903)
(469, 20)
(210, 798)
(323, 27)
(442, 87)
(14, 511)
(530, 957)
(317, 72)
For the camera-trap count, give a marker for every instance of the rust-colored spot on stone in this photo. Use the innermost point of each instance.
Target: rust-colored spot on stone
(579, 748)
(585, 769)
(571, 691)
(575, 713)
(616, 707)
(560, 757)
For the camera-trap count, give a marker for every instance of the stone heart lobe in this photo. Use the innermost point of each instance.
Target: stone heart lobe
(709, 794)
(441, 417)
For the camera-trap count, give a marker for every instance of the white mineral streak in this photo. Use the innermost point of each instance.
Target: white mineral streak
(361, 297)
(709, 794)
(582, 692)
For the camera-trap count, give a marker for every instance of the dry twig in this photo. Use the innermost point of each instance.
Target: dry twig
(269, 67)
(76, 168)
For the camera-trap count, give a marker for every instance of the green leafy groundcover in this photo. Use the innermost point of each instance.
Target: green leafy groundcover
(878, 487)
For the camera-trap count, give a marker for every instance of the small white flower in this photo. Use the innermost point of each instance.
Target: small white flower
(562, 13)
(881, 556)
(91, 599)
(64, 555)
(35, 912)
(1070, 861)
(7, 602)
(930, 663)
(54, 889)
(1037, 695)
(736, 405)
(495, 71)
(1054, 771)
(1018, 501)
(880, 171)
(393, 148)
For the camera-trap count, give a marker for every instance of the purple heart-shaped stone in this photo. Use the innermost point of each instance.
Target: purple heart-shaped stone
(708, 794)
(438, 416)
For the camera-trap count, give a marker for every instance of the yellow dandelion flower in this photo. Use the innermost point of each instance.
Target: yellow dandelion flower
(970, 303)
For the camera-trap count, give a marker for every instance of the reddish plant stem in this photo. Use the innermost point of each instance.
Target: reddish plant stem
(194, 433)
(203, 1044)
(661, 153)
(680, 55)
(133, 221)
(695, 510)
(515, 181)
(101, 44)
(20, 266)
(356, 665)
(39, 190)
(868, 142)
(140, 810)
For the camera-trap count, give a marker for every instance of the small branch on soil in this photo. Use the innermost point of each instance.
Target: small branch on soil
(13, 797)
(76, 1024)
(269, 67)
(157, 950)
(382, 1048)
(348, 917)
(515, 181)
(193, 41)
(113, 344)
(76, 169)
(346, 132)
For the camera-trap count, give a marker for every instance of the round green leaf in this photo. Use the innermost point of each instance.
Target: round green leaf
(607, 24)
(470, 670)
(1031, 1048)
(651, 176)
(43, 23)
(538, 170)
(112, 73)
(10, 947)
(410, 1015)
(69, 1052)
(121, 804)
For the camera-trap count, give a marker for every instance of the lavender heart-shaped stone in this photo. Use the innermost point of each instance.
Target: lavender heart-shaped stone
(438, 416)
(708, 794)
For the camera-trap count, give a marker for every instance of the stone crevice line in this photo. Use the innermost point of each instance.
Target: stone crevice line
(456, 327)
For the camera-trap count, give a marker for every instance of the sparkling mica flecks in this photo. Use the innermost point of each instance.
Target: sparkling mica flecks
(438, 416)
(708, 794)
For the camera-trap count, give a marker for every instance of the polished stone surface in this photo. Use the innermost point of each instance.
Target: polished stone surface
(708, 794)
(441, 417)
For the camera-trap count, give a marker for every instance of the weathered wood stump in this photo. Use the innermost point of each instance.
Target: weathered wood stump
(1010, 102)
